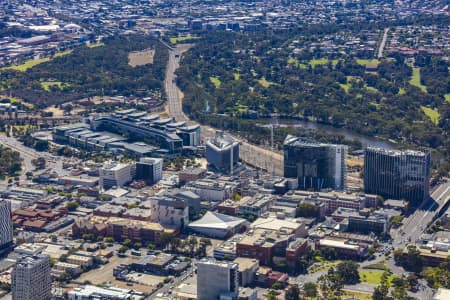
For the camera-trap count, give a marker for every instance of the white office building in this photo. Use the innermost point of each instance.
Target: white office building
(31, 278)
(116, 174)
(217, 280)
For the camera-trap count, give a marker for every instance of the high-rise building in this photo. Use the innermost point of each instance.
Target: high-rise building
(116, 174)
(6, 226)
(31, 278)
(397, 174)
(149, 170)
(222, 153)
(316, 165)
(217, 278)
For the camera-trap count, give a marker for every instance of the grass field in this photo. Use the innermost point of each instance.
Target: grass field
(322, 61)
(372, 89)
(447, 97)
(60, 54)
(47, 84)
(345, 86)
(356, 295)
(265, 83)
(401, 91)
(376, 266)
(34, 62)
(96, 45)
(236, 76)
(175, 40)
(415, 80)
(216, 81)
(368, 62)
(433, 114)
(373, 277)
(28, 64)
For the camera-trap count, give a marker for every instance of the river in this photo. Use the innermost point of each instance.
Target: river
(349, 134)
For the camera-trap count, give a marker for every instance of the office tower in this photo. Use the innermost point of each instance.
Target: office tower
(149, 170)
(31, 278)
(216, 278)
(397, 174)
(222, 153)
(316, 165)
(116, 174)
(6, 226)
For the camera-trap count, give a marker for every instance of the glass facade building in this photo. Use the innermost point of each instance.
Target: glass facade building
(317, 166)
(397, 174)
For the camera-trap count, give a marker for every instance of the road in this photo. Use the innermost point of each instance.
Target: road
(253, 155)
(28, 154)
(415, 225)
(383, 43)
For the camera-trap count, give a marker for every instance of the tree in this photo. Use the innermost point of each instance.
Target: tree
(310, 289)
(307, 210)
(293, 293)
(123, 249)
(410, 260)
(330, 284)
(39, 163)
(328, 253)
(382, 290)
(348, 271)
(40, 145)
(72, 205)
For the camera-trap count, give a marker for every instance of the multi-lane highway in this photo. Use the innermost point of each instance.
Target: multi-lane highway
(415, 225)
(254, 155)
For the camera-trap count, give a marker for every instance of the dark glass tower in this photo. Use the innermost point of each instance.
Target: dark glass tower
(317, 166)
(397, 174)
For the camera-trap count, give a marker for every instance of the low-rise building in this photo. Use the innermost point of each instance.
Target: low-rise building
(153, 264)
(84, 261)
(218, 225)
(247, 268)
(344, 247)
(60, 268)
(191, 174)
(94, 292)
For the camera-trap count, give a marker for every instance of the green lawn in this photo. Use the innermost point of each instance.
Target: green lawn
(215, 81)
(59, 54)
(415, 80)
(47, 84)
(368, 62)
(356, 295)
(294, 61)
(28, 64)
(175, 40)
(401, 91)
(34, 62)
(381, 265)
(373, 277)
(236, 76)
(96, 45)
(371, 89)
(264, 82)
(322, 61)
(447, 97)
(345, 86)
(433, 114)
